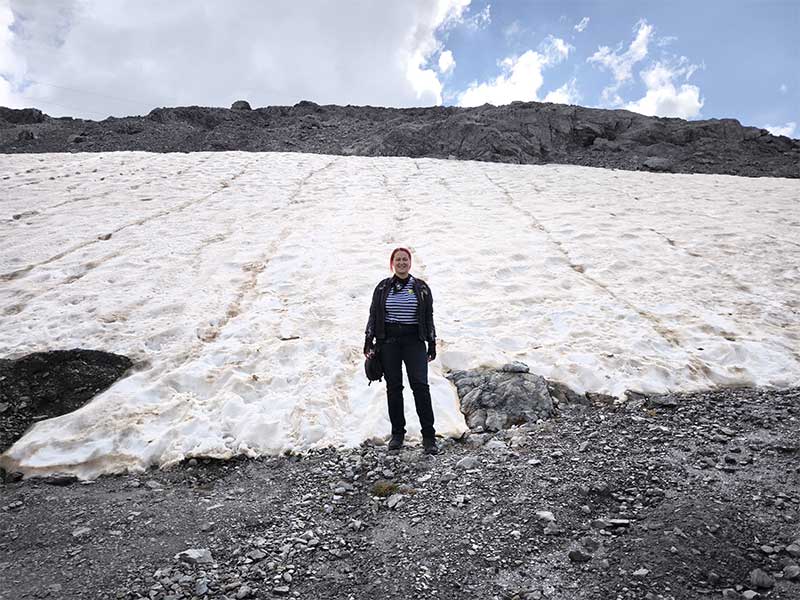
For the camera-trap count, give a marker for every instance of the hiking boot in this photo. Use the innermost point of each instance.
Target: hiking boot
(396, 442)
(429, 446)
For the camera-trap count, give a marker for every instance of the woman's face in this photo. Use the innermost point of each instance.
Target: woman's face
(401, 263)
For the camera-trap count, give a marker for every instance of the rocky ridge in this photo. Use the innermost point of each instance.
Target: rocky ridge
(522, 133)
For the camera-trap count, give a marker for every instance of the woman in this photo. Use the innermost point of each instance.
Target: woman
(401, 320)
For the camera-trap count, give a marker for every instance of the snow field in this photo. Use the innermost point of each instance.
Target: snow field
(240, 284)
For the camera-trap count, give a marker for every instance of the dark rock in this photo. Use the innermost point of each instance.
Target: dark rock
(579, 556)
(49, 384)
(21, 116)
(76, 139)
(596, 398)
(241, 105)
(655, 163)
(25, 135)
(565, 395)
(665, 401)
(60, 480)
(635, 397)
(761, 579)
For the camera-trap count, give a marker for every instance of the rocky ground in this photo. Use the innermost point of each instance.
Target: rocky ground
(692, 496)
(522, 132)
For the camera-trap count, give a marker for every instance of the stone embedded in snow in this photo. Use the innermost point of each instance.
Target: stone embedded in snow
(195, 556)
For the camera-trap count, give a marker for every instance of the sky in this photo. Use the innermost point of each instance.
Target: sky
(694, 59)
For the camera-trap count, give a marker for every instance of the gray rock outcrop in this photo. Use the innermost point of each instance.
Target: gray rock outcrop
(522, 132)
(495, 399)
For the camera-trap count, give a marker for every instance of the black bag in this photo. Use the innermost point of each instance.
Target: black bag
(373, 368)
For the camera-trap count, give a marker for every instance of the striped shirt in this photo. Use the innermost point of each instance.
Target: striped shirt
(401, 306)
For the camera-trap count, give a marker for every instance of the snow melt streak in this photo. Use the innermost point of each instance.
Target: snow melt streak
(240, 284)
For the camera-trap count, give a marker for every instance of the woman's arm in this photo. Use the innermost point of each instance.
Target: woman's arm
(430, 326)
(369, 333)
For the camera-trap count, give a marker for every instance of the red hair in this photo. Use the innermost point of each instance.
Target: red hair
(395, 251)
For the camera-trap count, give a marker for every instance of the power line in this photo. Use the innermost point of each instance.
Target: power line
(97, 94)
(46, 102)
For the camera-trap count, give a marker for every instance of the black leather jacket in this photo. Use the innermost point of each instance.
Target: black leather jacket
(377, 311)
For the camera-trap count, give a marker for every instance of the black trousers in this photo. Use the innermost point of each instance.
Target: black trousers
(402, 345)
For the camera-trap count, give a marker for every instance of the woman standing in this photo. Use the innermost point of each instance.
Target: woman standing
(401, 320)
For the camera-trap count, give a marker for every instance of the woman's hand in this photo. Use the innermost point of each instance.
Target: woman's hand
(369, 348)
(431, 351)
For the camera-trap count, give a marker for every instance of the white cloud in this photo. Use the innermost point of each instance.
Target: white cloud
(787, 129)
(582, 25)
(784, 88)
(520, 79)
(479, 20)
(555, 49)
(99, 57)
(446, 62)
(667, 91)
(663, 98)
(10, 65)
(621, 63)
(566, 94)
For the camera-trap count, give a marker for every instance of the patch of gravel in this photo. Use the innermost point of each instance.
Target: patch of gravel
(669, 497)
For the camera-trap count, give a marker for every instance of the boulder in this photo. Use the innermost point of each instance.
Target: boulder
(494, 399)
(241, 105)
(655, 163)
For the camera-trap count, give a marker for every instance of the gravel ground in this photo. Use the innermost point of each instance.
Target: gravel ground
(691, 496)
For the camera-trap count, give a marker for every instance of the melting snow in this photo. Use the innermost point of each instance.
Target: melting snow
(240, 284)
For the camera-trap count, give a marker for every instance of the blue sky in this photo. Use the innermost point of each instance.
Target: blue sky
(699, 59)
(747, 52)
